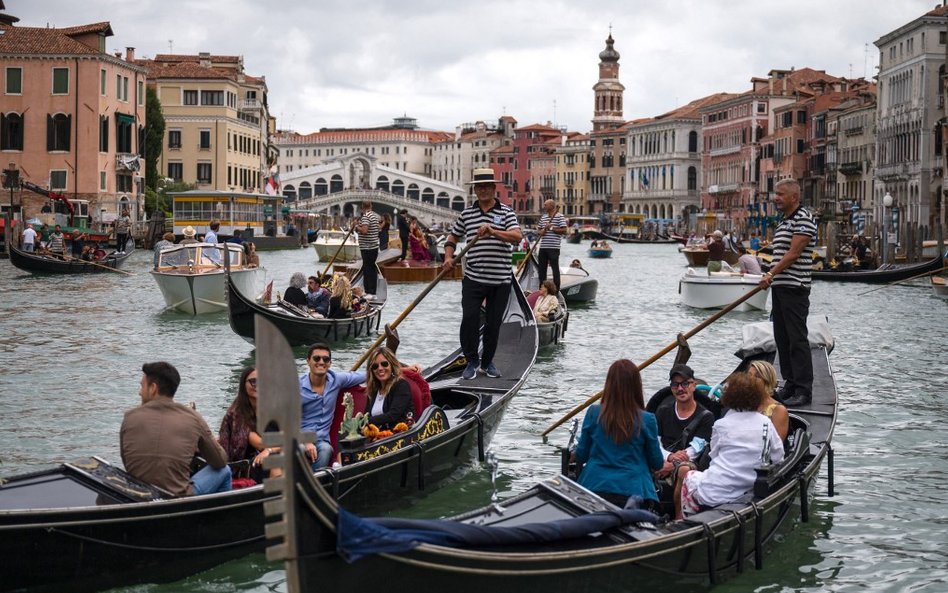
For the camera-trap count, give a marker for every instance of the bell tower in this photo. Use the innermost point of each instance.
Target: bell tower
(608, 91)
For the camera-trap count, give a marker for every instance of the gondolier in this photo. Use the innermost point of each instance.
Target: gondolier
(486, 270)
(794, 240)
(368, 229)
(552, 227)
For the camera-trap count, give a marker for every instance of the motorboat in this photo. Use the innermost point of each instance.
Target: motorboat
(577, 286)
(600, 250)
(940, 286)
(327, 243)
(716, 290)
(191, 276)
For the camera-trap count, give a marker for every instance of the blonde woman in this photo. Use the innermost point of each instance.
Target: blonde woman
(546, 306)
(770, 407)
(389, 395)
(340, 303)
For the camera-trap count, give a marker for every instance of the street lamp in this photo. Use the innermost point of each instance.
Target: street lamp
(887, 255)
(11, 179)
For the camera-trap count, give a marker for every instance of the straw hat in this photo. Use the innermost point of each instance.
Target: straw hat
(484, 175)
(189, 231)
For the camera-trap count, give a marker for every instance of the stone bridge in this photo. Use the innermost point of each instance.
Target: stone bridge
(346, 203)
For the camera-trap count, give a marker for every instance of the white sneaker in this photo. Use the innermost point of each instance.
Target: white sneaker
(370, 297)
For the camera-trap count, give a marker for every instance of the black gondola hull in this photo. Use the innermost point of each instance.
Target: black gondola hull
(880, 276)
(38, 264)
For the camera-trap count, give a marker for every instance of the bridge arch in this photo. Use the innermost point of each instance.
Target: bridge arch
(382, 183)
(306, 190)
(398, 187)
(320, 187)
(427, 196)
(412, 193)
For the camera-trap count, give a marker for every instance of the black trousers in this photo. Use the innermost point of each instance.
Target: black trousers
(472, 295)
(370, 273)
(549, 257)
(120, 240)
(791, 305)
(404, 239)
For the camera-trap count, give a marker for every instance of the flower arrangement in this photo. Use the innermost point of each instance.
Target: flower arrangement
(371, 431)
(384, 434)
(400, 427)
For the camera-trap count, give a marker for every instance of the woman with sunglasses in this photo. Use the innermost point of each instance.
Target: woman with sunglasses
(238, 433)
(389, 394)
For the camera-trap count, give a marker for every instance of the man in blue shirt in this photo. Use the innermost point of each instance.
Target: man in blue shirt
(319, 389)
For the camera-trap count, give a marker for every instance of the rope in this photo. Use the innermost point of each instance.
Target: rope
(103, 542)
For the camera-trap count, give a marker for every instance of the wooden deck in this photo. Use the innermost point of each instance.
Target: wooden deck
(403, 272)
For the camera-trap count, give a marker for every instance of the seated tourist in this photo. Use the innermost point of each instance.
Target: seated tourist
(86, 254)
(250, 254)
(340, 303)
(577, 264)
(359, 302)
(749, 263)
(418, 243)
(770, 407)
(619, 441)
(238, 434)
(547, 305)
(389, 394)
(294, 292)
(158, 439)
(317, 298)
(684, 425)
(736, 448)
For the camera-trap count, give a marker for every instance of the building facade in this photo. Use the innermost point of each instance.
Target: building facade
(607, 140)
(453, 160)
(852, 128)
(572, 174)
(72, 116)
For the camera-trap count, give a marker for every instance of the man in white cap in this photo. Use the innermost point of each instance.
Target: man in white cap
(487, 274)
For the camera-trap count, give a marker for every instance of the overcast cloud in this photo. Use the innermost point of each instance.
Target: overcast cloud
(347, 64)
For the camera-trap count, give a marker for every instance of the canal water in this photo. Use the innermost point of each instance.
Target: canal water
(71, 350)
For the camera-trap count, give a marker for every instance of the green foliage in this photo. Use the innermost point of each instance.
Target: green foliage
(160, 200)
(154, 137)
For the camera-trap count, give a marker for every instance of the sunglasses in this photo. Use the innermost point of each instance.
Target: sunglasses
(680, 384)
(252, 382)
(318, 358)
(383, 364)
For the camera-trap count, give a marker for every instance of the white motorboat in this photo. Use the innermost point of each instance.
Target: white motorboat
(191, 277)
(939, 286)
(328, 242)
(577, 286)
(719, 289)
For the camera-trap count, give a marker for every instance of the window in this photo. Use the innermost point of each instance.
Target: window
(205, 143)
(123, 183)
(57, 132)
(190, 97)
(175, 171)
(174, 140)
(204, 172)
(125, 88)
(121, 87)
(11, 131)
(801, 145)
(801, 117)
(14, 81)
(212, 97)
(60, 81)
(57, 179)
(102, 81)
(104, 133)
(123, 132)
(103, 181)
(141, 92)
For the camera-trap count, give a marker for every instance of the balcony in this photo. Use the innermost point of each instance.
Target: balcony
(853, 131)
(726, 150)
(723, 188)
(250, 105)
(851, 168)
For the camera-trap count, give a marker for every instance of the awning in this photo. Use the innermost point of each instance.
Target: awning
(125, 118)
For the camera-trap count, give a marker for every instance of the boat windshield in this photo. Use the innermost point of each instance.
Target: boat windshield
(198, 256)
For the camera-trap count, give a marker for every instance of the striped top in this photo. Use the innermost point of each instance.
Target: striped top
(799, 223)
(488, 261)
(370, 240)
(551, 240)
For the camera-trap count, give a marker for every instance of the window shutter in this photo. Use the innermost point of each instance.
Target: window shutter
(68, 130)
(50, 132)
(4, 133)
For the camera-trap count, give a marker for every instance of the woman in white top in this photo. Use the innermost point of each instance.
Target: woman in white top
(737, 441)
(546, 306)
(389, 395)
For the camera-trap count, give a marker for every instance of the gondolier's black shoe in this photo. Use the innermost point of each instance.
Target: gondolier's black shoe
(491, 371)
(782, 394)
(470, 371)
(798, 400)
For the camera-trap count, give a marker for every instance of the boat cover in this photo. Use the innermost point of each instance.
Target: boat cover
(358, 537)
(758, 338)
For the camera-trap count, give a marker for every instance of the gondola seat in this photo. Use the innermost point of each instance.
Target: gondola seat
(420, 391)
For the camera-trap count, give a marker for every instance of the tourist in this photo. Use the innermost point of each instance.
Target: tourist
(29, 239)
(317, 297)
(789, 277)
(552, 227)
(404, 224)
(76, 243)
(737, 444)
(340, 303)
(419, 246)
(716, 252)
(359, 302)
(189, 234)
(211, 236)
(159, 438)
(294, 294)
(87, 254)
(577, 264)
(167, 240)
(748, 263)
(770, 407)
(123, 225)
(250, 255)
(619, 440)
(319, 389)
(236, 238)
(389, 394)
(755, 243)
(486, 270)
(368, 228)
(44, 237)
(384, 227)
(684, 425)
(57, 243)
(547, 305)
(238, 435)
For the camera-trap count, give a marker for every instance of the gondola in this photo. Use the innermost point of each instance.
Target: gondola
(883, 275)
(626, 239)
(939, 286)
(90, 526)
(557, 535)
(44, 264)
(574, 237)
(600, 252)
(550, 332)
(296, 325)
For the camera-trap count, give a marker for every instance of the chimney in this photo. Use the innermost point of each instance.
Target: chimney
(118, 55)
(457, 133)
(129, 54)
(205, 58)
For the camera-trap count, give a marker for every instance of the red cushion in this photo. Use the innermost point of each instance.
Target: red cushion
(533, 298)
(420, 391)
(238, 483)
(359, 401)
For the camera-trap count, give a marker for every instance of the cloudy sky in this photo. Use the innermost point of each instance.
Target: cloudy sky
(338, 63)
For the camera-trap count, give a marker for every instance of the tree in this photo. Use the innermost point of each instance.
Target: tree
(154, 137)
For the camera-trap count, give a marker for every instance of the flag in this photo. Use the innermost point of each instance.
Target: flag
(273, 182)
(643, 179)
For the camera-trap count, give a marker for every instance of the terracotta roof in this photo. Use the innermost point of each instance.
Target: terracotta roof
(365, 135)
(691, 110)
(42, 41)
(191, 70)
(538, 128)
(196, 58)
(503, 149)
(104, 27)
(938, 11)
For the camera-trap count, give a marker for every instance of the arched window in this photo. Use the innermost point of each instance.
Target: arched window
(335, 184)
(11, 131)
(398, 187)
(427, 196)
(306, 190)
(320, 187)
(457, 203)
(692, 179)
(58, 132)
(382, 183)
(289, 192)
(693, 141)
(413, 192)
(444, 200)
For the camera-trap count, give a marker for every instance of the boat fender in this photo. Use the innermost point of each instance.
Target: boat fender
(714, 392)
(420, 452)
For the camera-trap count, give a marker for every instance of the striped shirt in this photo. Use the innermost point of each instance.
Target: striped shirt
(488, 261)
(551, 240)
(799, 223)
(369, 240)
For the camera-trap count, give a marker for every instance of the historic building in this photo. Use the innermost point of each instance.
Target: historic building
(910, 107)
(454, 159)
(663, 163)
(851, 153)
(572, 174)
(607, 140)
(72, 116)
(401, 146)
(217, 121)
(514, 164)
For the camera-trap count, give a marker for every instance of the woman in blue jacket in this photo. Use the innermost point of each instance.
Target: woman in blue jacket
(619, 442)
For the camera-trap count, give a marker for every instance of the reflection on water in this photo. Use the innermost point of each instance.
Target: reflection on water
(71, 351)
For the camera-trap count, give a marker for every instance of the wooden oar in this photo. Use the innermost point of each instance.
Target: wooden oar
(659, 354)
(401, 317)
(916, 277)
(523, 262)
(92, 263)
(333, 258)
